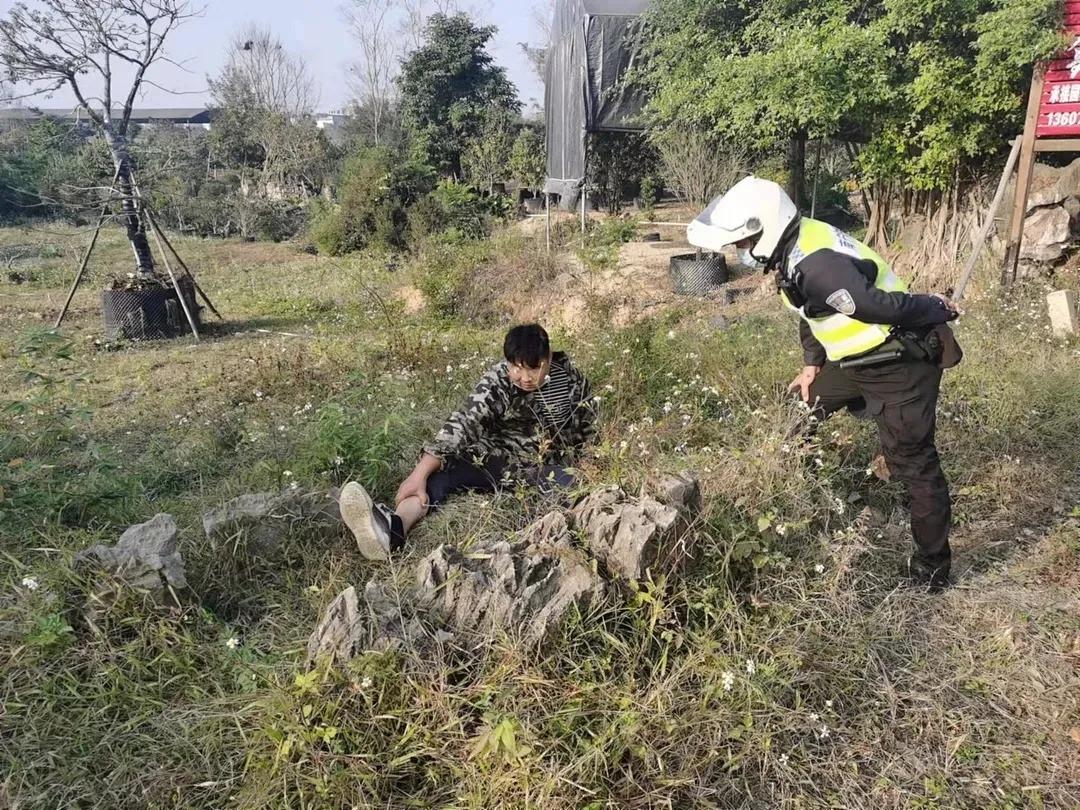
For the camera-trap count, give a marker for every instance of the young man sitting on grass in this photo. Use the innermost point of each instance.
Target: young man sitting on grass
(525, 422)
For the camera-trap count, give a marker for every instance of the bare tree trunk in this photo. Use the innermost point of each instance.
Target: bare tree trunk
(797, 169)
(133, 223)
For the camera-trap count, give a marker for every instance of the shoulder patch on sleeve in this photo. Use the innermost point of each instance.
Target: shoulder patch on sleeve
(842, 302)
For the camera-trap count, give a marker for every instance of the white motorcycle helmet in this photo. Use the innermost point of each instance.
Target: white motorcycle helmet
(751, 206)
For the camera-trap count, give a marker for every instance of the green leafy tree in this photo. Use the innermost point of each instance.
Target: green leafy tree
(448, 87)
(527, 158)
(487, 156)
(924, 85)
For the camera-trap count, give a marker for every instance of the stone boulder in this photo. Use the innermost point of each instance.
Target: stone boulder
(525, 588)
(524, 585)
(265, 518)
(628, 535)
(1047, 234)
(145, 557)
(340, 631)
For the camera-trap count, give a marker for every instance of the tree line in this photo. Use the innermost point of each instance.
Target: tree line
(435, 125)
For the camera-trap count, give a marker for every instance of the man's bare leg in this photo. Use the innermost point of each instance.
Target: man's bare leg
(411, 511)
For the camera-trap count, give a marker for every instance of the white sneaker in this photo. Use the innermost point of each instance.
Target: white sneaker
(370, 526)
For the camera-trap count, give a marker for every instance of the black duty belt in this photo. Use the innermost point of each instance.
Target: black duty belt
(874, 358)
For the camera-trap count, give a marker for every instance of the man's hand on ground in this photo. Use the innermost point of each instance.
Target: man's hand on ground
(803, 382)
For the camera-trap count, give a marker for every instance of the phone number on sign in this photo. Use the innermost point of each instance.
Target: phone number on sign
(1063, 119)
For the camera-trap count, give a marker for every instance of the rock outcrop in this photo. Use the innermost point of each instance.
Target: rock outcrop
(526, 585)
(265, 518)
(145, 557)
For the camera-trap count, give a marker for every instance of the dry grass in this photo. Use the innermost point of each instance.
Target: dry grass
(969, 699)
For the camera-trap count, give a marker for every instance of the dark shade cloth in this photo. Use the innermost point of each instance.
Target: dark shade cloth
(593, 43)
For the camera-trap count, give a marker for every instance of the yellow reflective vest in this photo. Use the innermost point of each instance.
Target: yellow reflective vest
(840, 335)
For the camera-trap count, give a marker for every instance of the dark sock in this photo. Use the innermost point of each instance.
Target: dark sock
(397, 532)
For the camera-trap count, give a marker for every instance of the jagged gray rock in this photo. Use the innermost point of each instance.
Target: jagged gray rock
(267, 517)
(681, 491)
(340, 630)
(1047, 235)
(628, 535)
(525, 588)
(145, 557)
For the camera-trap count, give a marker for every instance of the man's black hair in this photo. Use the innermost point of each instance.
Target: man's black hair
(527, 345)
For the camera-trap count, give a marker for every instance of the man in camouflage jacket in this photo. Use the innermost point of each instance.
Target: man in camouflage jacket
(525, 421)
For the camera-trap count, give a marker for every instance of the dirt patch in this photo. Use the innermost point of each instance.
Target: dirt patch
(638, 287)
(411, 298)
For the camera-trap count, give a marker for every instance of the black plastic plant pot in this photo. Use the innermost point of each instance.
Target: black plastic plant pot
(698, 273)
(148, 311)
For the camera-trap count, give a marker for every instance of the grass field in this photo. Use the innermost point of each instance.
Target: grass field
(786, 670)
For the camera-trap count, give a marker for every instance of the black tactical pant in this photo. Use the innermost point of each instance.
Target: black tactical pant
(901, 396)
(460, 474)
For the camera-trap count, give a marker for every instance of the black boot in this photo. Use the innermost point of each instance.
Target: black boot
(924, 574)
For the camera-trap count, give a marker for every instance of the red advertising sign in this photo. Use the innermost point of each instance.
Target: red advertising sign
(1059, 107)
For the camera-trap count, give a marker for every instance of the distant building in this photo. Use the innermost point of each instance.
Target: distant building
(332, 124)
(182, 116)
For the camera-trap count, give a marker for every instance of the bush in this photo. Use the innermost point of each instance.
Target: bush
(601, 249)
(697, 167)
(616, 163)
(376, 190)
(445, 273)
(452, 208)
(527, 159)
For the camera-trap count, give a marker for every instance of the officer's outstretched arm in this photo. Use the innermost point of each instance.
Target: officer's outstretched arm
(828, 274)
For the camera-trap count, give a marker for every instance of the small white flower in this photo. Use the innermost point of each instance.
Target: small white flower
(287, 473)
(338, 461)
(750, 667)
(449, 369)
(783, 759)
(828, 704)
(30, 583)
(258, 394)
(728, 681)
(671, 334)
(819, 462)
(366, 683)
(294, 485)
(233, 643)
(824, 732)
(814, 717)
(819, 569)
(781, 529)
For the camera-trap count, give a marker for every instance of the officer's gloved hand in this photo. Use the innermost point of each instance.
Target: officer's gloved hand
(949, 304)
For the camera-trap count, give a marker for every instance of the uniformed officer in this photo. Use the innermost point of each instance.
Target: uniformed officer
(868, 344)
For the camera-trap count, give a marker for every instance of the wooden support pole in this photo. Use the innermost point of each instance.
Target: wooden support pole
(175, 283)
(161, 232)
(547, 219)
(86, 256)
(980, 242)
(1023, 179)
(583, 194)
(81, 270)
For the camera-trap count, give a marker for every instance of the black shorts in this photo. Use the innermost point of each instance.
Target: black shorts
(462, 475)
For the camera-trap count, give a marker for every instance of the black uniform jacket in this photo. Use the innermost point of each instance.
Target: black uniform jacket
(825, 272)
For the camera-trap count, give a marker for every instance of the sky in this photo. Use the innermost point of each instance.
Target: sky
(314, 29)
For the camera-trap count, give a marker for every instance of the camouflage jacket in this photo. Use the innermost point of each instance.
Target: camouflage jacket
(523, 428)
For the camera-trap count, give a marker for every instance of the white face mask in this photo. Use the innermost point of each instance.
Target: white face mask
(747, 258)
